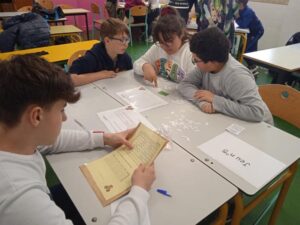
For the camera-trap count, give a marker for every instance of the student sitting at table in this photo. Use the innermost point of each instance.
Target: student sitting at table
(170, 56)
(220, 83)
(246, 18)
(40, 91)
(105, 59)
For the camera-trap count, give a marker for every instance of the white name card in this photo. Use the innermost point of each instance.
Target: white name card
(246, 161)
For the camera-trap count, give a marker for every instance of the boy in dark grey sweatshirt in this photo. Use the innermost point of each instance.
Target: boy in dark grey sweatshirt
(219, 83)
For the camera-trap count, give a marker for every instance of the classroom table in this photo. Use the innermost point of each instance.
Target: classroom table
(283, 60)
(54, 53)
(64, 30)
(196, 190)
(9, 14)
(4, 15)
(189, 127)
(79, 12)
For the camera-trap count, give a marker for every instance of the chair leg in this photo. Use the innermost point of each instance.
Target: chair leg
(238, 209)
(283, 192)
(222, 215)
(130, 36)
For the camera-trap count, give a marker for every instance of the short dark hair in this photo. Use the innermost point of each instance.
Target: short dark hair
(27, 80)
(168, 24)
(112, 27)
(210, 44)
(244, 2)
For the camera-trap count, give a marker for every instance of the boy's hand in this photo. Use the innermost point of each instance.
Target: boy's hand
(204, 95)
(150, 73)
(117, 139)
(207, 108)
(144, 176)
(107, 74)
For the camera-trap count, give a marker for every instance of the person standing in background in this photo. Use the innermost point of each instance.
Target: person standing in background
(218, 13)
(183, 7)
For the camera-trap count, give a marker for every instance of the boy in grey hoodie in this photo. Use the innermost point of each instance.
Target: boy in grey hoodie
(219, 83)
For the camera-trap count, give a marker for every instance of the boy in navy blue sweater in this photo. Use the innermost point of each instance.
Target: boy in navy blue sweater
(105, 59)
(248, 19)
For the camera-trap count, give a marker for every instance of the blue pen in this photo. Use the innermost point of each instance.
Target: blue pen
(163, 192)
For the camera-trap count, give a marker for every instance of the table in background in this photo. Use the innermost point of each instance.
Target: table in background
(79, 12)
(196, 190)
(283, 60)
(65, 30)
(55, 53)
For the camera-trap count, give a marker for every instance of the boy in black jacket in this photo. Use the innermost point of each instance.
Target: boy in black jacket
(105, 59)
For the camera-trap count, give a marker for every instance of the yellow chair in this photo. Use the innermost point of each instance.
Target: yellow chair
(27, 8)
(239, 45)
(73, 57)
(134, 11)
(99, 15)
(283, 102)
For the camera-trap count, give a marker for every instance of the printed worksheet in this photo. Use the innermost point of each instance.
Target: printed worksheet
(141, 99)
(123, 118)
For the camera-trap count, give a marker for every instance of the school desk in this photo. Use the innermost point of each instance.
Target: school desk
(283, 60)
(64, 30)
(196, 190)
(4, 15)
(54, 53)
(79, 12)
(269, 139)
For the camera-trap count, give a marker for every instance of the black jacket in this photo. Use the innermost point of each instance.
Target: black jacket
(28, 30)
(97, 59)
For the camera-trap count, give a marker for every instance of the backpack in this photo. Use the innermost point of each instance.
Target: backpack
(295, 39)
(48, 14)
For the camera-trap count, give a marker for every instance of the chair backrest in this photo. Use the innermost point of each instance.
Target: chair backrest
(139, 10)
(48, 4)
(17, 4)
(283, 102)
(27, 8)
(95, 8)
(101, 11)
(75, 56)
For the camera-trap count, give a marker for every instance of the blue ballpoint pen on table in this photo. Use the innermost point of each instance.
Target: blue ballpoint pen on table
(163, 192)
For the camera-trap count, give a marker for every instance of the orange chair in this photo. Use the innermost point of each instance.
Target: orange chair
(283, 102)
(27, 8)
(99, 15)
(138, 10)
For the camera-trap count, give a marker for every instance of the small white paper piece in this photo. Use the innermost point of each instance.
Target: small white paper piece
(235, 129)
(115, 204)
(246, 161)
(123, 118)
(141, 99)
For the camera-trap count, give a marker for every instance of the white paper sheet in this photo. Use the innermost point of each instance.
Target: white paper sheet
(123, 118)
(246, 161)
(141, 99)
(115, 204)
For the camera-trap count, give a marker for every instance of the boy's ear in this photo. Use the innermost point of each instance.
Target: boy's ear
(36, 115)
(106, 40)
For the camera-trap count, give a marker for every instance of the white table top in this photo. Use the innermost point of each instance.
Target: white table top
(75, 11)
(196, 191)
(64, 29)
(10, 14)
(285, 57)
(189, 127)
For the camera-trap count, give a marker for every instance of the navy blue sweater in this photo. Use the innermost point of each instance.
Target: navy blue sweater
(97, 59)
(248, 19)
